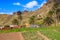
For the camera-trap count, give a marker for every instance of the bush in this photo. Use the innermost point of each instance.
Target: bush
(15, 22)
(7, 26)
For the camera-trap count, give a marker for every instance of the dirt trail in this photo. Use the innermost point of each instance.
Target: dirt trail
(43, 36)
(12, 36)
(56, 31)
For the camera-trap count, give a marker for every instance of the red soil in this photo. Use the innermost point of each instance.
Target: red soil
(11, 36)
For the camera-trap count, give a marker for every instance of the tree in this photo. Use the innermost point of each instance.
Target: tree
(6, 26)
(32, 19)
(58, 14)
(50, 13)
(15, 22)
(48, 21)
(54, 8)
(19, 13)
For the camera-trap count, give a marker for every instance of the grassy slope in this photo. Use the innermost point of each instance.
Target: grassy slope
(52, 33)
(4, 18)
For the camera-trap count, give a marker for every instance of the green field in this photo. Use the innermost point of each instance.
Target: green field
(52, 33)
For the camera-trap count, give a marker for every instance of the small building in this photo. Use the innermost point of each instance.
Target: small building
(1, 27)
(34, 26)
(14, 26)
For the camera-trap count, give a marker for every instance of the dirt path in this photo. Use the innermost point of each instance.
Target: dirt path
(43, 36)
(12, 36)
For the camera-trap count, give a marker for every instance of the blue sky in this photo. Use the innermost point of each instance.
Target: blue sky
(10, 6)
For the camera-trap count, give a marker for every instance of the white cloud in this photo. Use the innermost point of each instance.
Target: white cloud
(17, 3)
(31, 4)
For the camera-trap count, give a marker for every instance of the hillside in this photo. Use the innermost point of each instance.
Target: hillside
(45, 8)
(7, 19)
(4, 18)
